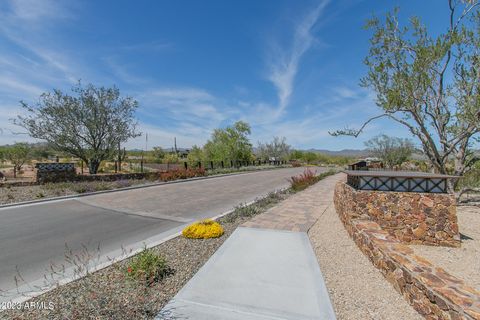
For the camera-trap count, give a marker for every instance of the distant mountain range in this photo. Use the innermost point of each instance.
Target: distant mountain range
(356, 153)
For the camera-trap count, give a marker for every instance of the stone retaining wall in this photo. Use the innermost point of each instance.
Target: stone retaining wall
(414, 218)
(432, 291)
(55, 172)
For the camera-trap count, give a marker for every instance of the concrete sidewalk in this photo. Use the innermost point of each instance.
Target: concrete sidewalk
(266, 269)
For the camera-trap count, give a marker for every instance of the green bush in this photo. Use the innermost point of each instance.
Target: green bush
(147, 267)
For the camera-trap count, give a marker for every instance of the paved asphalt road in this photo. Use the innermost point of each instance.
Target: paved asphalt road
(34, 236)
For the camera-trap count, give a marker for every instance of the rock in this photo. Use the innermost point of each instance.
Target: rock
(420, 231)
(427, 201)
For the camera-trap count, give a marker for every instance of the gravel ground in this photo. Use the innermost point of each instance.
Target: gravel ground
(49, 190)
(108, 294)
(463, 262)
(357, 289)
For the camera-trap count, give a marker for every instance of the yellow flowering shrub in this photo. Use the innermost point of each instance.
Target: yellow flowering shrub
(203, 229)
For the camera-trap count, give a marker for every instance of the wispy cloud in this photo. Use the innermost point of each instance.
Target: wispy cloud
(28, 25)
(286, 60)
(187, 112)
(37, 10)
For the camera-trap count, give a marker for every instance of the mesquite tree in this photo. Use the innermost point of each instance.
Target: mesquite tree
(429, 83)
(90, 124)
(18, 154)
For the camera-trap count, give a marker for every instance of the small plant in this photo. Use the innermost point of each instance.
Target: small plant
(296, 164)
(203, 230)
(303, 180)
(40, 195)
(247, 211)
(80, 188)
(102, 185)
(123, 183)
(147, 267)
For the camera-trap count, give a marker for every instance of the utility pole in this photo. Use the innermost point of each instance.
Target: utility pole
(146, 142)
(119, 163)
(175, 144)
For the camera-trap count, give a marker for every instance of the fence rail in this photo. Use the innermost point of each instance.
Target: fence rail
(208, 165)
(399, 181)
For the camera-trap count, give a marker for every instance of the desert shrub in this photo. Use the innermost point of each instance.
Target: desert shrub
(147, 267)
(296, 163)
(247, 211)
(471, 179)
(101, 185)
(54, 186)
(82, 187)
(124, 183)
(182, 174)
(152, 176)
(303, 180)
(203, 230)
(170, 158)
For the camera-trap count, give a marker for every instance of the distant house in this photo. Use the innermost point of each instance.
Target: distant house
(359, 165)
(365, 164)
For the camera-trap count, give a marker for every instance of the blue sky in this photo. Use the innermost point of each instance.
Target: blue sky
(289, 68)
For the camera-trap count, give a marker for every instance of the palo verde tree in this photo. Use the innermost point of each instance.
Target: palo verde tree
(230, 143)
(429, 83)
(392, 150)
(89, 124)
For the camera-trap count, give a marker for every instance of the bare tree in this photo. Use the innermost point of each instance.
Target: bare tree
(277, 148)
(429, 84)
(393, 151)
(88, 124)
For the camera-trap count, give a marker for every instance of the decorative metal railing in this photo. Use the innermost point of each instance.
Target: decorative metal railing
(399, 181)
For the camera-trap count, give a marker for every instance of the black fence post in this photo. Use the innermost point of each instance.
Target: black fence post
(222, 164)
(211, 165)
(185, 165)
(231, 163)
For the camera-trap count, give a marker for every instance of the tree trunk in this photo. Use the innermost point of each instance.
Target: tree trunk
(93, 165)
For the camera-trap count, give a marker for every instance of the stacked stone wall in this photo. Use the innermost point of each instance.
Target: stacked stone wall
(432, 291)
(55, 172)
(414, 218)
